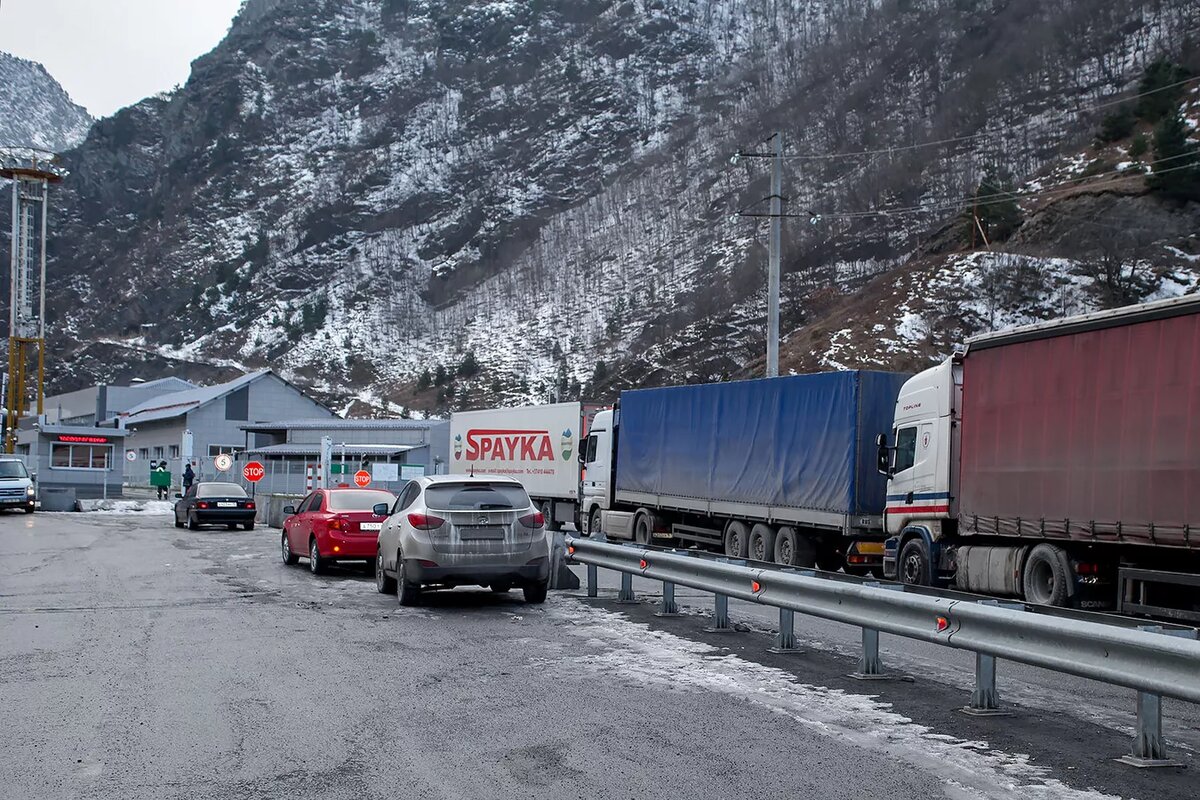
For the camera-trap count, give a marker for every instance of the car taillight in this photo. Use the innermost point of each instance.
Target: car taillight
(250, 504)
(202, 504)
(425, 522)
(535, 520)
(336, 524)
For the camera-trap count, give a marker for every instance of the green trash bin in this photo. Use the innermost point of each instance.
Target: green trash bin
(160, 479)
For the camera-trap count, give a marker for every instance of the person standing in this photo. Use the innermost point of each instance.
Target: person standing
(189, 477)
(161, 484)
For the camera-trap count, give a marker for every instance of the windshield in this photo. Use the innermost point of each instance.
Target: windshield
(220, 490)
(475, 496)
(358, 500)
(12, 469)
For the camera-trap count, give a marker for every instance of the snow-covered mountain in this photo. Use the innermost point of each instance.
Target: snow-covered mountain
(449, 202)
(35, 111)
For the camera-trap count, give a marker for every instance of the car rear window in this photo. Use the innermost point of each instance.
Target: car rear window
(355, 500)
(475, 496)
(220, 490)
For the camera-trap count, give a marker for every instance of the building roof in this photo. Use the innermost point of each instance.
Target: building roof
(170, 383)
(338, 449)
(177, 404)
(318, 424)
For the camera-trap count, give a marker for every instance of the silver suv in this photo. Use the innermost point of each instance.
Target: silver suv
(16, 487)
(455, 530)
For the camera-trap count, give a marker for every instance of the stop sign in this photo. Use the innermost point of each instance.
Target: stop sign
(253, 472)
(362, 479)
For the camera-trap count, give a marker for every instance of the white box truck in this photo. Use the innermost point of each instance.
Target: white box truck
(537, 445)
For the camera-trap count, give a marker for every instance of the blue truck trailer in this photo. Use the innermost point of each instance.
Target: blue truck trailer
(778, 469)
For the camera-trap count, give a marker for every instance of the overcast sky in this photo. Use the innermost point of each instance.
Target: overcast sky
(109, 54)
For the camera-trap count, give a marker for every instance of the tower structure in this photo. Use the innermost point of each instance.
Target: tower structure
(31, 172)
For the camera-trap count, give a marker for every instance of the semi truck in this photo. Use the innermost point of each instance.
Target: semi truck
(1057, 462)
(778, 469)
(537, 445)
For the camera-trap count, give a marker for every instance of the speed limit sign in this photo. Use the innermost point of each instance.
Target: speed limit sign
(223, 462)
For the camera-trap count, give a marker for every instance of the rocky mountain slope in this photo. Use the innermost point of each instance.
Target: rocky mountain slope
(35, 111)
(440, 203)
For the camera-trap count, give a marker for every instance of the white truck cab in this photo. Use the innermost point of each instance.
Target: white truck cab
(920, 468)
(597, 471)
(16, 486)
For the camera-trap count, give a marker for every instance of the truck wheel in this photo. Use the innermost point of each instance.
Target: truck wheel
(793, 550)
(547, 510)
(594, 522)
(1047, 576)
(914, 568)
(737, 539)
(643, 530)
(762, 542)
(829, 557)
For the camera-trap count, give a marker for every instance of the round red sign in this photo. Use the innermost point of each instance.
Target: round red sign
(362, 479)
(253, 472)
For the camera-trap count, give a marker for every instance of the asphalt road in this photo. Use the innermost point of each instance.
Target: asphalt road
(141, 661)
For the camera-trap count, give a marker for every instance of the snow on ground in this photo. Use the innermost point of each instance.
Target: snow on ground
(633, 652)
(133, 507)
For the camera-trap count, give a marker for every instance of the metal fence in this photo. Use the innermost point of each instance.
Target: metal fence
(1154, 660)
(281, 477)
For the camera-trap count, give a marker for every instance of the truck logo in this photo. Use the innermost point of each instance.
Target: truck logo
(458, 447)
(501, 445)
(568, 444)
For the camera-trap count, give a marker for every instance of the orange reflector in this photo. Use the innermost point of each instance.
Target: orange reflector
(337, 549)
(643, 563)
(942, 624)
(571, 550)
(755, 586)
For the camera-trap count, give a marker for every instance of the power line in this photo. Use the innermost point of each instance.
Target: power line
(957, 139)
(979, 200)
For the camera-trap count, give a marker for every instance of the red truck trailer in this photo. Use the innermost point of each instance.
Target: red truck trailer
(1057, 462)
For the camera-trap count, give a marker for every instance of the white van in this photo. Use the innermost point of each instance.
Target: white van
(16, 487)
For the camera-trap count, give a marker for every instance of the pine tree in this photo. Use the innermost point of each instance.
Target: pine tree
(1117, 125)
(995, 207)
(1159, 96)
(1177, 161)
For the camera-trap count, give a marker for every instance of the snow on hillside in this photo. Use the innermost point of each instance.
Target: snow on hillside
(35, 111)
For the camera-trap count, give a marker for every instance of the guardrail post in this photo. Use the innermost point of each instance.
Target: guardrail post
(785, 642)
(593, 579)
(669, 607)
(870, 667)
(626, 595)
(1149, 749)
(985, 700)
(721, 607)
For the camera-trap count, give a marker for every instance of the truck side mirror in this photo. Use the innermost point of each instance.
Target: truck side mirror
(883, 458)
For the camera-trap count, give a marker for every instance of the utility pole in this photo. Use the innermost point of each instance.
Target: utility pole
(776, 245)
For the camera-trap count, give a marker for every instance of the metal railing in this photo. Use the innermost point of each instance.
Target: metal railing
(1151, 659)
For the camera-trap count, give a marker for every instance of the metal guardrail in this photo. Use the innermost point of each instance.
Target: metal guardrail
(1153, 661)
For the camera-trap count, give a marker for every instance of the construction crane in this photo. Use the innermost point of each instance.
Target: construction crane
(31, 171)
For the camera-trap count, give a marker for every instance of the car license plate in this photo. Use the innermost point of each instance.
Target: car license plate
(490, 532)
(370, 526)
(226, 505)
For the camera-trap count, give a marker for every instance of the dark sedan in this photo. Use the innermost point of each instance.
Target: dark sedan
(213, 503)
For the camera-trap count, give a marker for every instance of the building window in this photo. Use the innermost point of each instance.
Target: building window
(80, 456)
(144, 453)
(174, 451)
(158, 453)
(232, 449)
(237, 405)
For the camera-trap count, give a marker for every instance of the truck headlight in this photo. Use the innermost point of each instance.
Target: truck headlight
(29, 491)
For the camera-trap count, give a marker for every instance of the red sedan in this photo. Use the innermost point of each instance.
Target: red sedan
(332, 525)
